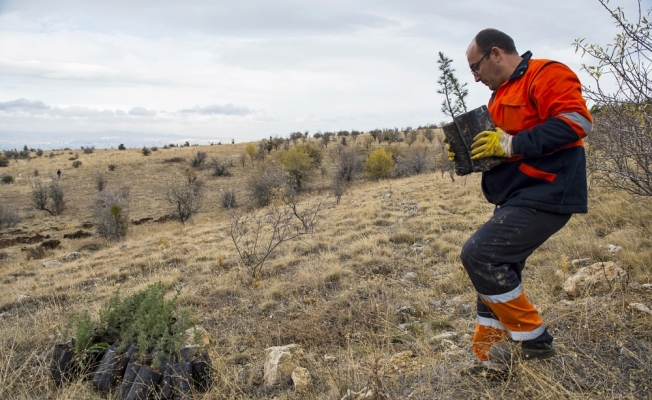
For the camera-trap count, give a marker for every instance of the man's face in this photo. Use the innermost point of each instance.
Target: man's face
(483, 67)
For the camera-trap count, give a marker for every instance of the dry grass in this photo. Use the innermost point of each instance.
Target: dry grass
(341, 293)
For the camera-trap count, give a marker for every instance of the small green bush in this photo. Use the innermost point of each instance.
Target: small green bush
(122, 147)
(112, 167)
(7, 179)
(146, 151)
(76, 163)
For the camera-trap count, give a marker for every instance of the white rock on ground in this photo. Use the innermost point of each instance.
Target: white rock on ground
(594, 278)
(52, 263)
(640, 307)
(281, 362)
(73, 256)
(197, 336)
(302, 380)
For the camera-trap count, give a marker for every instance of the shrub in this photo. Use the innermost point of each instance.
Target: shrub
(8, 216)
(4, 161)
(100, 181)
(198, 160)
(174, 160)
(112, 167)
(418, 160)
(51, 155)
(262, 182)
(185, 197)
(39, 152)
(348, 165)
(378, 164)
(250, 150)
(122, 147)
(35, 253)
(76, 163)
(154, 148)
(7, 179)
(298, 163)
(110, 210)
(89, 150)
(228, 199)
(219, 169)
(50, 198)
(35, 173)
(146, 151)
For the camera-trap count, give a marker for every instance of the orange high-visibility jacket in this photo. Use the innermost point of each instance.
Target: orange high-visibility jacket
(541, 105)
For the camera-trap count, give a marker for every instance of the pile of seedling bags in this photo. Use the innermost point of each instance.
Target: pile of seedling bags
(152, 354)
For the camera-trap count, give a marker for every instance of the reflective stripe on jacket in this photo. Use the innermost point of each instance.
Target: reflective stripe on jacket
(541, 105)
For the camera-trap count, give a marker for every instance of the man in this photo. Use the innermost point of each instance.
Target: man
(540, 118)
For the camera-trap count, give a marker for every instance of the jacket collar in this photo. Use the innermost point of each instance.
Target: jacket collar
(522, 67)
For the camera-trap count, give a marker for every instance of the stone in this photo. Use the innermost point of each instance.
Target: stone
(123, 246)
(437, 304)
(647, 286)
(612, 248)
(52, 263)
(329, 359)
(416, 248)
(387, 196)
(580, 261)
(640, 307)
(281, 361)
(302, 380)
(410, 276)
(197, 336)
(445, 336)
(22, 298)
(73, 256)
(594, 278)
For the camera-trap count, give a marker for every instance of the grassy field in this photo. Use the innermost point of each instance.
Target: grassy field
(366, 295)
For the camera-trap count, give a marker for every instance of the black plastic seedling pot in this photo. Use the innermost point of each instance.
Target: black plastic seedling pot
(460, 134)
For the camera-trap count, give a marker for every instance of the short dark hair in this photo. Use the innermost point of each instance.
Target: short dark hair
(488, 38)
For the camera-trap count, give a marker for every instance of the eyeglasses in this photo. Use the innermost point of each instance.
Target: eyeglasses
(476, 66)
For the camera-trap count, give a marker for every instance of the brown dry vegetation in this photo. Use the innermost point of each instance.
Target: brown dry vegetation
(342, 292)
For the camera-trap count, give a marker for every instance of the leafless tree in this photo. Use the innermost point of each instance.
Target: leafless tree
(185, 197)
(620, 145)
(257, 233)
(110, 210)
(8, 216)
(50, 198)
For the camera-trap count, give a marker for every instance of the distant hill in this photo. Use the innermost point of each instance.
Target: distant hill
(101, 140)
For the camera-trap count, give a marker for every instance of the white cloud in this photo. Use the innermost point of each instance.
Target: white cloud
(255, 69)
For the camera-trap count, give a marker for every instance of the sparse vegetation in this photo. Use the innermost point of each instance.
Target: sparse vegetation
(145, 151)
(199, 160)
(121, 147)
(76, 163)
(8, 216)
(50, 198)
(112, 167)
(7, 179)
(185, 197)
(111, 213)
(100, 181)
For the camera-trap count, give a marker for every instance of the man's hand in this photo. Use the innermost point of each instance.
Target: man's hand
(491, 143)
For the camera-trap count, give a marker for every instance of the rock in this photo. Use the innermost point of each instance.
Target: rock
(437, 304)
(22, 298)
(302, 380)
(52, 263)
(405, 310)
(73, 256)
(614, 249)
(640, 307)
(387, 196)
(280, 363)
(445, 335)
(197, 336)
(404, 327)
(416, 248)
(329, 359)
(561, 274)
(123, 246)
(580, 261)
(647, 286)
(594, 278)
(410, 276)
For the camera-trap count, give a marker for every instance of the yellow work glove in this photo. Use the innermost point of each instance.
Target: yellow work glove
(451, 154)
(491, 143)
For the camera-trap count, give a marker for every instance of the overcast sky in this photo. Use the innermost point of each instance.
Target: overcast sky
(250, 69)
